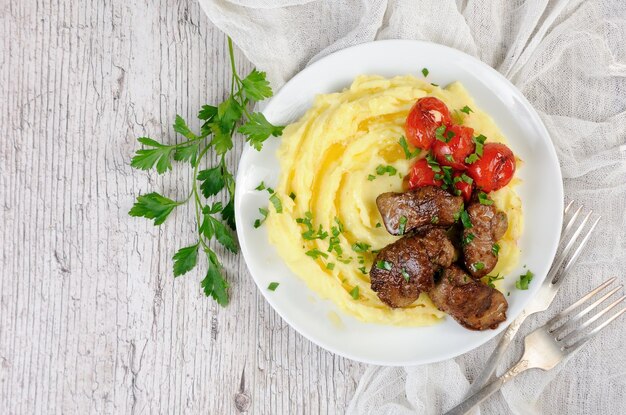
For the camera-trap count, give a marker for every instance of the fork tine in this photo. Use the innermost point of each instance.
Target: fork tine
(588, 336)
(557, 264)
(587, 296)
(571, 221)
(576, 253)
(567, 208)
(584, 312)
(594, 318)
(569, 205)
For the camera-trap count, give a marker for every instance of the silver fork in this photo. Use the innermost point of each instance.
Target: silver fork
(548, 345)
(546, 293)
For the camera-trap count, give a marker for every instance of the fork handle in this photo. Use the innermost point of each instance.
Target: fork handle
(492, 363)
(476, 398)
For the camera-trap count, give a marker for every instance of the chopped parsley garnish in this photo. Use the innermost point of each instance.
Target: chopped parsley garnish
(402, 225)
(466, 110)
(466, 178)
(472, 158)
(434, 84)
(363, 270)
(292, 196)
(434, 166)
(316, 253)
(260, 187)
(344, 260)
(277, 203)
(425, 71)
(384, 265)
(490, 279)
(495, 248)
(449, 158)
(434, 220)
(468, 238)
(330, 266)
(457, 215)
(360, 247)
(484, 199)
(310, 233)
(465, 219)
(524, 280)
(259, 222)
(371, 177)
(334, 243)
(273, 286)
(405, 274)
(479, 141)
(381, 170)
(439, 134)
(378, 225)
(477, 266)
(355, 292)
(405, 147)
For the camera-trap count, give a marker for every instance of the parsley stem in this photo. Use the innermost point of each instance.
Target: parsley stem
(194, 191)
(232, 65)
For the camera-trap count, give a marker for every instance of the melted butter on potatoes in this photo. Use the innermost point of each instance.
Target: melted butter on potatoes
(327, 160)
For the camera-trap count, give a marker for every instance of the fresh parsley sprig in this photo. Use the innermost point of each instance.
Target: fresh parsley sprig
(220, 123)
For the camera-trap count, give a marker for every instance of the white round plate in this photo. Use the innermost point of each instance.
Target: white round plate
(541, 192)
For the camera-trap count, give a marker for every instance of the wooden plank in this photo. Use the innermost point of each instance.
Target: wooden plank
(91, 319)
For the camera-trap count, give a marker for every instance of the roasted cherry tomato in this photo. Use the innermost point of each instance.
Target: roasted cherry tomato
(459, 146)
(494, 169)
(426, 115)
(463, 186)
(422, 175)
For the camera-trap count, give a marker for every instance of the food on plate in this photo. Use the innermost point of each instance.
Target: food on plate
(405, 212)
(473, 304)
(405, 268)
(380, 174)
(483, 227)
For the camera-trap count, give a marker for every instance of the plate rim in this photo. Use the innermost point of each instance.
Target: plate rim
(534, 288)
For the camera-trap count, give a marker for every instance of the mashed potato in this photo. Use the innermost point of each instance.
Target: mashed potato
(329, 161)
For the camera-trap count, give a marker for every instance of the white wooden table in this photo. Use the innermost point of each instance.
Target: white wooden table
(91, 318)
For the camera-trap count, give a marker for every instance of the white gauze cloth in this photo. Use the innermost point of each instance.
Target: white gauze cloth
(568, 57)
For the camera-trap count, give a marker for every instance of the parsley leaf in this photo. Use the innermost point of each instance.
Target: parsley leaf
(439, 134)
(386, 265)
(524, 280)
(180, 126)
(490, 279)
(212, 181)
(145, 159)
(259, 222)
(316, 253)
(477, 266)
(330, 266)
(255, 86)
(405, 274)
(153, 206)
(467, 239)
(273, 286)
(355, 292)
(495, 249)
(484, 199)
(360, 247)
(402, 225)
(371, 177)
(260, 187)
(213, 283)
(405, 147)
(188, 153)
(472, 158)
(277, 203)
(257, 129)
(425, 72)
(465, 219)
(381, 170)
(185, 259)
(466, 110)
